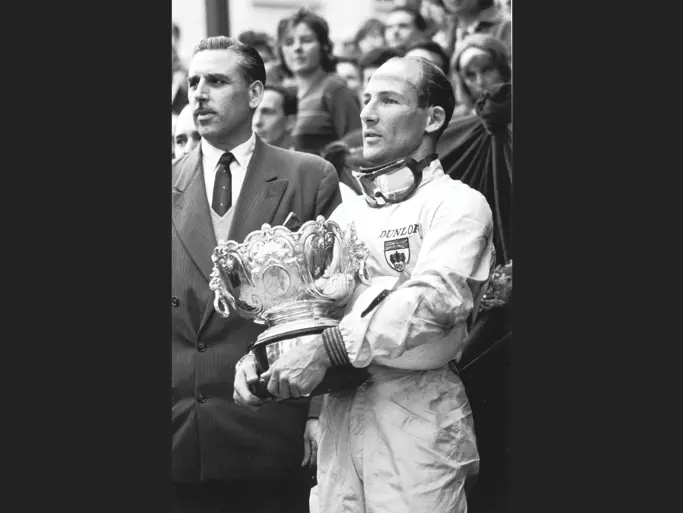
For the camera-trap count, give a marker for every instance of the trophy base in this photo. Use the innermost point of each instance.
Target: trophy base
(336, 379)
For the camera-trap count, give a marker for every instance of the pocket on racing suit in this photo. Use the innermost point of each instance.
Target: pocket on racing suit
(431, 410)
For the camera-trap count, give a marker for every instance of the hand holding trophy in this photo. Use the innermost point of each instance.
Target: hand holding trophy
(296, 284)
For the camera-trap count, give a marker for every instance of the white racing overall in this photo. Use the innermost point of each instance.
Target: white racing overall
(404, 441)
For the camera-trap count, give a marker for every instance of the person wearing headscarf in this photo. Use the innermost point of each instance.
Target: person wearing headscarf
(481, 63)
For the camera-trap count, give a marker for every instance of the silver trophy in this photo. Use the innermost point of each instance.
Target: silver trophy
(294, 282)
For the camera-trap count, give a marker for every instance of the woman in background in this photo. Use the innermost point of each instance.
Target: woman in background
(439, 21)
(328, 109)
(481, 64)
(370, 35)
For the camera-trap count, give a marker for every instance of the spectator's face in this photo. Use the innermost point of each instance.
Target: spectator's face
(479, 72)
(401, 29)
(372, 40)
(433, 11)
(186, 137)
(393, 124)
(220, 98)
(460, 6)
(430, 56)
(349, 72)
(301, 50)
(270, 121)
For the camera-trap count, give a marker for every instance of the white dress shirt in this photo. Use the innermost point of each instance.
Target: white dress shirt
(238, 168)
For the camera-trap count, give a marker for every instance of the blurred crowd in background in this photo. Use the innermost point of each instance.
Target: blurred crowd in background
(314, 90)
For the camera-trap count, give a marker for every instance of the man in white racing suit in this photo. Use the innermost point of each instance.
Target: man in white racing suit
(404, 440)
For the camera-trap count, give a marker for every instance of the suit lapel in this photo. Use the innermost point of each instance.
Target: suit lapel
(261, 193)
(257, 203)
(191, 215)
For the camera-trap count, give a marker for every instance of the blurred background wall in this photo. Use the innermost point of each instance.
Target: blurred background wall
(197, 18)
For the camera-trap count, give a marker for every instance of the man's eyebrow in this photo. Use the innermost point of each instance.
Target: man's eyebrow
(384, 93)
(212, 76)
(217, 75)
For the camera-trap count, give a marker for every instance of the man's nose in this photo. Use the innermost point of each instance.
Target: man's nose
(200, 92)
(368, 115)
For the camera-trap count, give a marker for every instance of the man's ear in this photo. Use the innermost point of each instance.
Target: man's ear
(436, 119)
(255, 93)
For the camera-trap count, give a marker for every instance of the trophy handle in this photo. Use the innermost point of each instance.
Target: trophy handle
(225, 285)
(363, 274)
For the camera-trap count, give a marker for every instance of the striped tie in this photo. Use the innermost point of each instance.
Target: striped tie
(222, 187)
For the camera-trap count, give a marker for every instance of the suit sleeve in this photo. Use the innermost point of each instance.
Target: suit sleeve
(345, 110)
(328, 196)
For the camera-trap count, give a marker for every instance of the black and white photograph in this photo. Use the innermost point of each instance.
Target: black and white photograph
(341, 256)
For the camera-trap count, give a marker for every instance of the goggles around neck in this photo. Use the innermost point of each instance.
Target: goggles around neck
(394, 182)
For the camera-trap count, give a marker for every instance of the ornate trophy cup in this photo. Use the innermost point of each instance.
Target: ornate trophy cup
(295, 283)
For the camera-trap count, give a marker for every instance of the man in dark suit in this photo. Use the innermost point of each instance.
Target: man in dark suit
(226, 457)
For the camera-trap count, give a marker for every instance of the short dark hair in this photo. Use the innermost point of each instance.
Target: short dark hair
(251, 38)
(378, 56)
(434, 89)
(418, 20)
(251, 63)
(434, 47)
(290, 103)
(321, 30)
(481, 5)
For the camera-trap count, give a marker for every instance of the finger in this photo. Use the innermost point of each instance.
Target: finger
(285, 392)
(307, 451)
(252, 405)
(294, 391)
(249, 369)
(274, 382)
(242, 394)
(314, 453)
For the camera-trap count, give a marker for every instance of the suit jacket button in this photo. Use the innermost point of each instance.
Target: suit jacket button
(201, 347)
(201, 397)
(175, 301)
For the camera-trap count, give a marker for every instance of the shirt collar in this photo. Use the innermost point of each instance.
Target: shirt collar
(432, 171)
(241, 152)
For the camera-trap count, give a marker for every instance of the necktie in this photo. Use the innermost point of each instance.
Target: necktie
(222, 187)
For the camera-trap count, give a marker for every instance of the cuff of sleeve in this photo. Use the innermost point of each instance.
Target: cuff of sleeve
(334, 345)
(315, 406)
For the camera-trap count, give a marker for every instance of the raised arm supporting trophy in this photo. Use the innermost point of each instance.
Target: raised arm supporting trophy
(295, 283)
